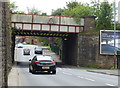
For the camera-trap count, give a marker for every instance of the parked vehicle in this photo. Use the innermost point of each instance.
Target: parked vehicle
(42, 63)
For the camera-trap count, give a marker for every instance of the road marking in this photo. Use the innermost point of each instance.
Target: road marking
(80, 77)
(89, 79)
(109, 84)
(69, 69)
(86, 78)
(66, 73)
(60, 68)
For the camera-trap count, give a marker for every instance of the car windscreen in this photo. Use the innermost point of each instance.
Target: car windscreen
(39, 48)
(26, 49)
(45, 61)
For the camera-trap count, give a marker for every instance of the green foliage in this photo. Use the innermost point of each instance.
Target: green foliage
(57, 12)
(113, 68)
(91, 66)
(72, 5)
(103, 12)
(97, 31)
(12, 6)
(44, 14)
(74, 9)
(58, 41)
(77, 10)
(19, 12)
(118, 26)
(44, 40)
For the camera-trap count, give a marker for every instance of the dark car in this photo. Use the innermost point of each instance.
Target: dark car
(38, 50)
(26, 51)
(42, 63)
(108, 49)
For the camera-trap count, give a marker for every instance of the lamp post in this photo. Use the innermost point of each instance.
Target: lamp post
(115, 59)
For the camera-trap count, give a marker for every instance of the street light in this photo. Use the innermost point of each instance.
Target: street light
(115, 60)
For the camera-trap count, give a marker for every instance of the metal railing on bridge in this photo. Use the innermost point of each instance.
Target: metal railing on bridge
(30, 22)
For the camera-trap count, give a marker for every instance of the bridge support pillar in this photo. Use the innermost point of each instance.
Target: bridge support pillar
(70, 50)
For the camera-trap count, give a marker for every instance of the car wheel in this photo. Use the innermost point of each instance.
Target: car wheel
(54, 72)
(32, 70)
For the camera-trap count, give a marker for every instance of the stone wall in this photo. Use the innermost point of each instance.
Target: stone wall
(5, 43)
(89, 23)
(84, 50)
(89, 52)
(1, 70)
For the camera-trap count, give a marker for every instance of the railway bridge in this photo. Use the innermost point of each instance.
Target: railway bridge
(51, 26)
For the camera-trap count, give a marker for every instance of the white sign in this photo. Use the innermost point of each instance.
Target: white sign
(107, 42)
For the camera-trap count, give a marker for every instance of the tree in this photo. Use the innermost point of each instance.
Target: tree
(77, 10)
(72, 5)
(44, 40)
(44, 14)
(57, 12)
(12, 6)
(103, 12)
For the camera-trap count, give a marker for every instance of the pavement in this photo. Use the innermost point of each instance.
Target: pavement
(13, 79)
(101, 71)
(105, 71)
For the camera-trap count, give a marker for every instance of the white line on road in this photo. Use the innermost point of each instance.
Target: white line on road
(69, 69)
(109, 84)
(89, 79)
(66, 73)
(80, 77)
(86, 78)
(60, 68)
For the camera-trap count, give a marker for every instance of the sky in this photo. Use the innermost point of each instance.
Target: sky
(46, 5)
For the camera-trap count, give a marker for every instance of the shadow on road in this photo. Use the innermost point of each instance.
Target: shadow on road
(22, 64)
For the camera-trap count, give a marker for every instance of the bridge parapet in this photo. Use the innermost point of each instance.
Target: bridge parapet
(46, 23)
